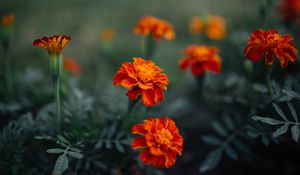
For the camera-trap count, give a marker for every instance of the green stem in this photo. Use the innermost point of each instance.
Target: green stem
(149, 47)
(268, 78)
(131, 104)
(57, 100)
(8, 78)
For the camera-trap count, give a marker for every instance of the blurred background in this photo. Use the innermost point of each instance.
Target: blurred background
(102, 38)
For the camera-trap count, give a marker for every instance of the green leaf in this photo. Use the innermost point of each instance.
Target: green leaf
(295, 132)
(230, 152)
(267, 120)
(265, 140)
(279, 111)
(211, 140)
(283, 129)
(292, 109)
(219, 129)
(55, 150)
(229, 123)
(61, 138)
(120, 147)
(211, 161)
(61, 164)
(75, 154)
(291, 93)
(98, 144)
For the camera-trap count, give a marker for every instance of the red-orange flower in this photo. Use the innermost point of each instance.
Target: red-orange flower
(269, 43)
(290, 9)
(53, 44)
(201, 58)
(72, 66)
(159, 140)
(8, 20)
(156, 27)
(142, 77)
(216, 27)
(196, 25)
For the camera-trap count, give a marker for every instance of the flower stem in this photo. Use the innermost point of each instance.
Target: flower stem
(131, 104)
(149, 47)
(8, 78)
(57, 100)
(268, 78)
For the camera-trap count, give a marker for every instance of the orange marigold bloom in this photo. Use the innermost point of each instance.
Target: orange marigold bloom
(107, 34)
(201, 58)
(215, 27)
(142, 77)
(72, 66)
(156, 27)
(53, 44)
(269, 43)
(290, 9)
(159, 140)
(196, 25)
(8, 20)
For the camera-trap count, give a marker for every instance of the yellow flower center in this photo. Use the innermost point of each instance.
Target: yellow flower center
(274, 38)
(163, 136)
(145, 72)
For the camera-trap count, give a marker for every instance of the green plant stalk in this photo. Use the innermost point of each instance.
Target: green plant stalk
(57, 101)
(149, 46)
(8, 77)
(55, 69)
(268, 79)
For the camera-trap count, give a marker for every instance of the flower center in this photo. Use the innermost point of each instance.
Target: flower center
(274, 38)
(145, 72)
(163, 136)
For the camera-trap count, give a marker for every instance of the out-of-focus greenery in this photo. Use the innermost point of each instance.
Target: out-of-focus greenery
(232, 117)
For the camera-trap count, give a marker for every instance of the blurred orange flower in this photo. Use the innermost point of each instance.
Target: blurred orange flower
(156, 27)
(107, 34)
(142, 77)
(269, 43)
(53, 44)
(159, 140)
(8, 20)
(72, 66)
(196, 25)
(201, 58)
(215, 27)
(290, 9)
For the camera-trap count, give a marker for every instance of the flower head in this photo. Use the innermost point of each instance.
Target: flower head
(8, 20)
(201, 58)
(107, 34)
(159, 140)
(142, 77)
(53, 44)
(156, 27)
(72, 66)
(196, 25)
(290, 9)
(269, 43)
(215, 27)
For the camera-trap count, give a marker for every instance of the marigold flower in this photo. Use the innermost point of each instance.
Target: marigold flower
(201, 58)
(215, 27)
(142, 77)
(156, 27)
(196, 25)
(269, 43)
(159, 140)
(72, 66)
(107, 34)
(290, 9)
(53, 44)
(8, 20)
